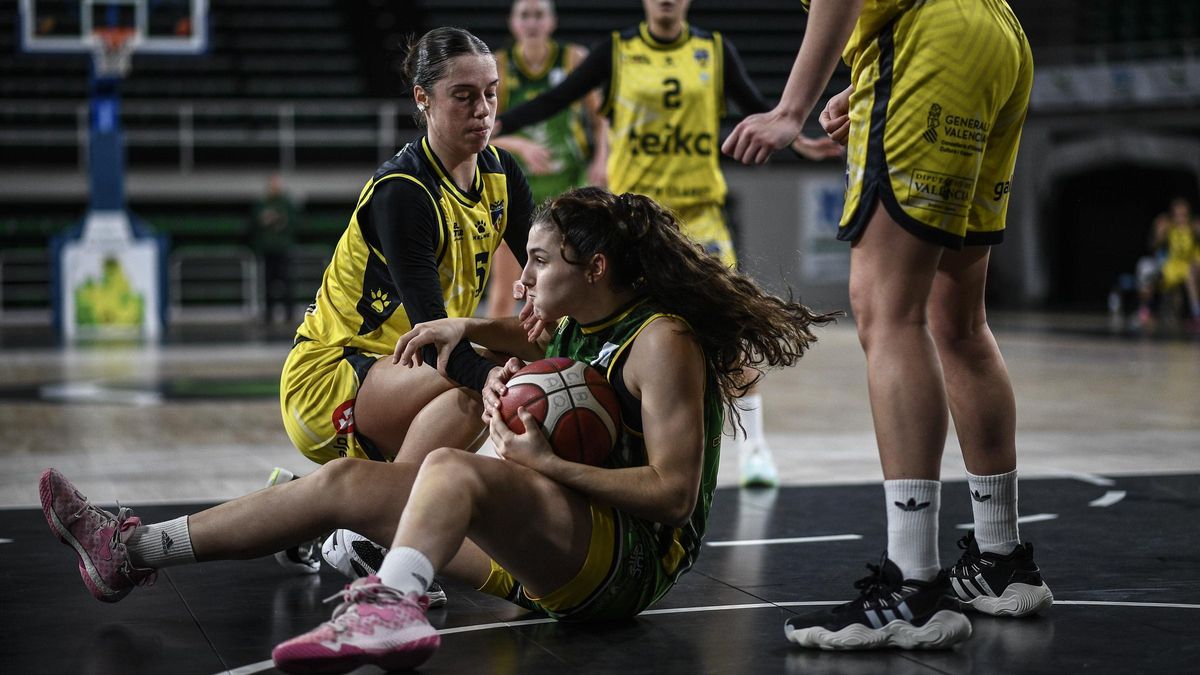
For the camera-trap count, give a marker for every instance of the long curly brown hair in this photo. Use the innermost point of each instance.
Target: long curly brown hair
(741, 329)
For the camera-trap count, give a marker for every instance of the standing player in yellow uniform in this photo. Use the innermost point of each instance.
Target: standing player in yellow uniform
(667, 84)
(1177, 233)
(933, 123)
(555, 152)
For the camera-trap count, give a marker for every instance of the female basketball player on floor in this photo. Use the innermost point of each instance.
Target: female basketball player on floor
(667, 83)
(528, 526)
(933, 123)
(554, 153)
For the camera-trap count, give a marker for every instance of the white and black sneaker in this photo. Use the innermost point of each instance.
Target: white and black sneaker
(303, 558)
(890, 611)
(1000, 585)
(356, 557)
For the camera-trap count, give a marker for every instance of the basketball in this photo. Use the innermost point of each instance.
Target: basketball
(574, 403)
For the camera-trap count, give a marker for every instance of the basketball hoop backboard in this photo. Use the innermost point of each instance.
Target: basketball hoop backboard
(78, 26)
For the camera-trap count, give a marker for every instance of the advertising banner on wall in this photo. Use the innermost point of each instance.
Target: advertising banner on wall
(109, 282)
(823, 259)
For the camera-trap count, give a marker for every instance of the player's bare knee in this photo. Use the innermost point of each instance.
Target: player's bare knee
(452, 466)
(337, 477)
(957, 333)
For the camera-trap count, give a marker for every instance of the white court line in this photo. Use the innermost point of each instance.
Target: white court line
(267, 665)
(5, 541)
(248, 669)
(489, 626)
(1091, 478)
(1111, 497)
(789, 540)
(1111, 603)
(1035, 518)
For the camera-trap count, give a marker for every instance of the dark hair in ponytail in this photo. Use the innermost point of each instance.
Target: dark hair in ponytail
(737, 324)
(429, 57)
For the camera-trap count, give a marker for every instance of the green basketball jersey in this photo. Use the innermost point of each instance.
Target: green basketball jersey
(605, 345)
(562, 134)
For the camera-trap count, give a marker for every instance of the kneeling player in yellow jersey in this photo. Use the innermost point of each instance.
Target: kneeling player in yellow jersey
(666, 83)
(419, 247)
(577, 542)
(933, 122)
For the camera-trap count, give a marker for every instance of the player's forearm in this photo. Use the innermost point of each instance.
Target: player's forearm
(830, 23)
(503, 335)
(643, 492)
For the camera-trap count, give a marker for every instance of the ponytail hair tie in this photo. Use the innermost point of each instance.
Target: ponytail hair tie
(632, 218)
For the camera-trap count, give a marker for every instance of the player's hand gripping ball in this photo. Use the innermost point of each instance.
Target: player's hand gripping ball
(574, 403)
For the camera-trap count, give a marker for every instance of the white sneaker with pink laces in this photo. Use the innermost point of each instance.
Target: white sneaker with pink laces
(374, 625)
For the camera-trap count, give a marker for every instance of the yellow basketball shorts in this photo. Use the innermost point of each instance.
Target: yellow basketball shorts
(705, 224)
(939, 100)
(1175, 271)
(618, 580)
(316, 396)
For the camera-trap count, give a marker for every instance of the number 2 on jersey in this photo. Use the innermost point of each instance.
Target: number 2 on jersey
(671, 97)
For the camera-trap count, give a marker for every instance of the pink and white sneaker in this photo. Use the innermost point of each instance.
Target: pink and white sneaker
(96, 535)
(375, 624)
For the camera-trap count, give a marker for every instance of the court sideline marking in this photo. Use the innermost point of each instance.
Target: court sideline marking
(268, 664)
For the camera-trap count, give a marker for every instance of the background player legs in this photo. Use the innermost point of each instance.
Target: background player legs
(981, 396)
(977, 383)
(891, 276)
(756, 462)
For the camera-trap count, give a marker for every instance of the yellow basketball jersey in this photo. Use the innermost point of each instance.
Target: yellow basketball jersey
(665, 101)
(358, 304)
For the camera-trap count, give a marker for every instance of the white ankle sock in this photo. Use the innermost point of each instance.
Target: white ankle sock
(407, 570)
(161, 544)
(912, 518)
(994, 504)
(752, 419)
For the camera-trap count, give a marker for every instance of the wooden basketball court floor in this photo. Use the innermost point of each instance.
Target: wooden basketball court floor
(1109, 442)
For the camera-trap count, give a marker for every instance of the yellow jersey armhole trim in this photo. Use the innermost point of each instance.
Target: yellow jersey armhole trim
(607, 108)
(437, 212)
(502, 90)
(719, 71)
(616, 357)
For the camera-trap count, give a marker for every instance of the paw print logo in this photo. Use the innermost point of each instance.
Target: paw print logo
(379, 301)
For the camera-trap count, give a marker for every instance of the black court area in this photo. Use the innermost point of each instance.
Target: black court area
(1122, 556)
